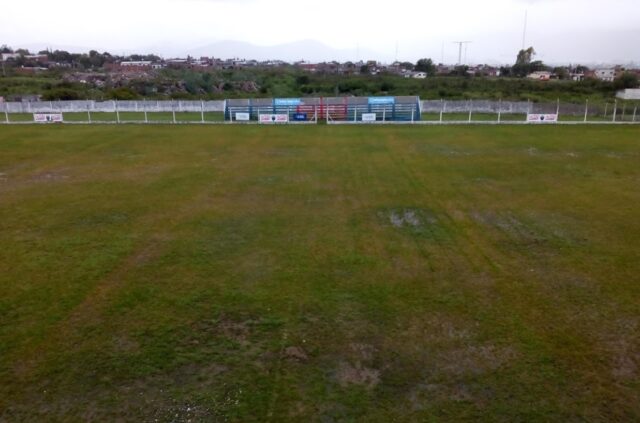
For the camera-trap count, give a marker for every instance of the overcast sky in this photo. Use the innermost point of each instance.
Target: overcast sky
(561, 31)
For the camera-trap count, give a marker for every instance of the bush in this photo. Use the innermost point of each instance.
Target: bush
(61, 94)
(123, 93)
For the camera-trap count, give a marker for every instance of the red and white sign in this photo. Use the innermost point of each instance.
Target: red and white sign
(541, 118)
(47, 117)
(281, 118)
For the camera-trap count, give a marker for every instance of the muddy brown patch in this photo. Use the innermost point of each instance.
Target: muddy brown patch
(358, 368)
(295, 353)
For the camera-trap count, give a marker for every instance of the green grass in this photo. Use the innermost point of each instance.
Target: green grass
(320, 273)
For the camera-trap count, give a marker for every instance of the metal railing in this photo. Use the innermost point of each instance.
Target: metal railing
(433, 112)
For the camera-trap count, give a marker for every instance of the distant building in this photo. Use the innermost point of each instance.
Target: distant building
(485, 70)
(540, 76)
(577, 76)
(444, 69)
(419, 75)
(30, 70)
(40, 58)
(10, 56)
(309, 67)
(137, 64)
(608, 74)
(629, 94)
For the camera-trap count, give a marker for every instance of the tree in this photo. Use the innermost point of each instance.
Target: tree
(562, 72)
(581, 69)
(425, 65)
(626, 80)
(61, 93)
(122, 93)
(525, 63)
(505, 71)
(407, 65)
(525, 56)
(460, 70)
(5, 49)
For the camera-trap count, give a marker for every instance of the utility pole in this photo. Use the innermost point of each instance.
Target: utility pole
(460, 44)
(524, 31)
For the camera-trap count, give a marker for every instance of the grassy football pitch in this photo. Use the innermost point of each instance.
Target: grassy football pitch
(370, 274)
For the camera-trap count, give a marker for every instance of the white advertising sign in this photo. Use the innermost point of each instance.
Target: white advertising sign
(243, 116)
(368, 117)
(280, 118)
(47, 117)
(541, 118)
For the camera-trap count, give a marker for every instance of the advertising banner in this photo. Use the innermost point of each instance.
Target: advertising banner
(243, 116)
(279, 118)
(382, 100)
(368, 117)
(300, 116)
(287, 102)
(542, 118)
(47, 117)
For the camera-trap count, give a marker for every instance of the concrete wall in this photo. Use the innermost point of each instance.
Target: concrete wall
(629, 94)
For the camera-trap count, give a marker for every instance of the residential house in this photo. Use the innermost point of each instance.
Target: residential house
(540, 76)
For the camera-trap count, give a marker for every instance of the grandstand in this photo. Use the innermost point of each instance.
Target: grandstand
(331, 109)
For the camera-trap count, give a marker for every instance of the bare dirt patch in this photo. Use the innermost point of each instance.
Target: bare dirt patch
(358, 368)
(622, 342)
(411, 220)
(473, 360)
(237, 331)
(405, 218)
(357, 374)
(363, 352)
(295, 354)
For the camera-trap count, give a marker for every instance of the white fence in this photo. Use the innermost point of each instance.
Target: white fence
(111, 106)
(433, 111)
